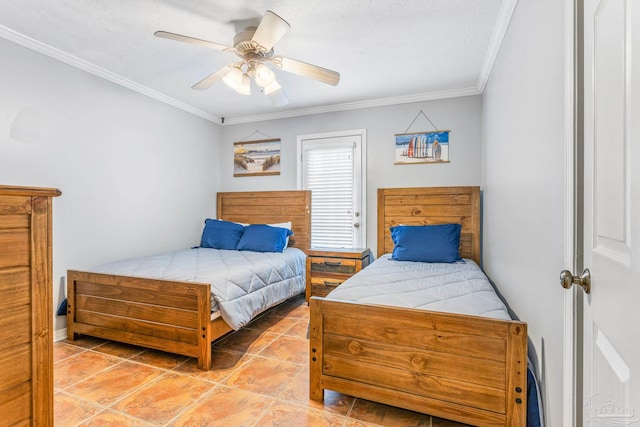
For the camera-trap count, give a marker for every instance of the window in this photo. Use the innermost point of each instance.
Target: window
(332, 167)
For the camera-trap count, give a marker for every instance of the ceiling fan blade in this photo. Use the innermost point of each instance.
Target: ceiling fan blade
(212, 79)
(308, 70)
(192, 40)
(270, 30)
(278, 98)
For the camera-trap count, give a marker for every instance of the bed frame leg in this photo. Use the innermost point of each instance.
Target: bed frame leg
(204, 359)
(316, 392)
(204, 364)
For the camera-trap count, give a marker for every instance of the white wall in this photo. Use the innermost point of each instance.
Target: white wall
(523, 181)
(462, 116)
(136, 175)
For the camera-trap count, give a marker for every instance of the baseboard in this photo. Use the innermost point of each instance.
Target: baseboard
(60, 335)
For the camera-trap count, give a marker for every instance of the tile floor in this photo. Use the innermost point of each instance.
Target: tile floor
(259, 378)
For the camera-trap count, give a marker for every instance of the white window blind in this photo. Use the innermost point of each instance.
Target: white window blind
(328, 171)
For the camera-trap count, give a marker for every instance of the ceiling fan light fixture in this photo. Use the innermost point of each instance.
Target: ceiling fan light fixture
(238, 81)
(245, 85)
(264, 76)
(272, 87)
(276, 94)
(254, 46)
(233, 78)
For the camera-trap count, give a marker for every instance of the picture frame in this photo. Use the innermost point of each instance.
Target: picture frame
(256, 158)
(422, 147)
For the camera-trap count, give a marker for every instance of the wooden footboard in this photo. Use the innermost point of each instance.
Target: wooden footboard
(165, 315)
(463, 368)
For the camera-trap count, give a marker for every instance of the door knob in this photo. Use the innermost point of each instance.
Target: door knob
(567, 280)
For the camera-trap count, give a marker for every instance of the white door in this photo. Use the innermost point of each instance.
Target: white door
(611, 245)
(332, 166)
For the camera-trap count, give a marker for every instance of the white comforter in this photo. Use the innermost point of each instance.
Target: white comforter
(460, 288)
(243, 283)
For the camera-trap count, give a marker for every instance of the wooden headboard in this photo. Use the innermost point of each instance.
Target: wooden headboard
(268, 207)
(431, 205)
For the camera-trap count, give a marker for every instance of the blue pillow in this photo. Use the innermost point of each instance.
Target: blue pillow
(220, 234)
(264, 238)
(426, 243)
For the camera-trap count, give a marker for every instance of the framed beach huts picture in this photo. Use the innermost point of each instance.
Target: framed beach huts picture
(254, 158)
(422, 147)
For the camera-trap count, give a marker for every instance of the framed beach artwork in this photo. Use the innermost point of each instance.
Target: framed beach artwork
(422, 147)
(256, 158)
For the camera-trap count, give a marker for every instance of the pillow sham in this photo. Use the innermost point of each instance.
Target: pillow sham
(286, 225)
(264, 238)
(426, 243)
(218, 234)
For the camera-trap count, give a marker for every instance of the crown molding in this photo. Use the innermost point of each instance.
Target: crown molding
(504, 18)
(499, 32)
(74, 61)
(380, 102)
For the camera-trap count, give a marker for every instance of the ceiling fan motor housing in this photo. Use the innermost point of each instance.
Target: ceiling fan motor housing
(246, 48)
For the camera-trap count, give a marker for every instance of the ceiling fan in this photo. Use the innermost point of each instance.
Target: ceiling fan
(254, 46)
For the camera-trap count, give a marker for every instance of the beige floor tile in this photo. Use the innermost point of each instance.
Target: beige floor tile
(223, 363)
(160, 401)
(76, 368)
(69, 410)
(247, 341)
(114, 383)
(109, 418)
(86, 342)
(299, 329)
(264, 376)
(62, 350)
(225, 407)
(274, 324)
(282, 414)
(159, 359)
(291, 349)
(388, 416)
(296, 309)
(119, 349)
(297, 392)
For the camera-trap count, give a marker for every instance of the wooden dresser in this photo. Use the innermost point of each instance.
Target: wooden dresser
(328, 268)
(26, 312)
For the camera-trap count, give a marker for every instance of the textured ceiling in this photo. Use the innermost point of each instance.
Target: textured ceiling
(385, 51)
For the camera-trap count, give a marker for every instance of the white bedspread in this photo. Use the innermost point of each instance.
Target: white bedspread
(243, 283)
(460, 288)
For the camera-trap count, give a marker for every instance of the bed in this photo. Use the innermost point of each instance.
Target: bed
(175, 315)
(461, 367)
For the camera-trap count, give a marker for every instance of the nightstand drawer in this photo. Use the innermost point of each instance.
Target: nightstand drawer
(333, 265)
(327, 268)
(321, 286)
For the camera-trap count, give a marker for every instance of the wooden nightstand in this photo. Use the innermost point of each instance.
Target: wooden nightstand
(327, 268)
